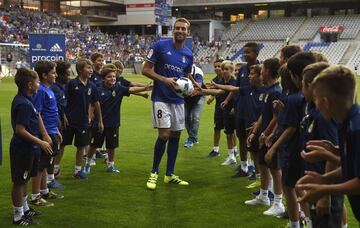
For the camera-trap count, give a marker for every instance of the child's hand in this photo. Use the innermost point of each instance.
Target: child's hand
(210, 100)
(101, 126)
(323, 206)
(269, 155)
(269, 140)
(145, 95)
(45, 146)
(327, 145)
(223, 104)
(278, 105)
(48, 139)
(262, 139)
(250, 139)
(232, 111)
(149, 86)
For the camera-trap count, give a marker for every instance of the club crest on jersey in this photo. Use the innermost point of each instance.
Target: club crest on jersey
(26, 173)
(89, 91)
(261, 97)
(113, 93)
(311, 126)
(150, 53)
(102, 94)
(184, 59)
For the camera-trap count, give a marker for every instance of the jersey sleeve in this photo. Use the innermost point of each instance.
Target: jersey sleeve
(94, 94)
(39, 100)
(123, 90)
(125, 82)
(327, 130)
(292, 112)
(188, 68)
(22, 114)
(154, 52)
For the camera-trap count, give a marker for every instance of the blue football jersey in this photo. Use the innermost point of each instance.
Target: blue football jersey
(169, 62)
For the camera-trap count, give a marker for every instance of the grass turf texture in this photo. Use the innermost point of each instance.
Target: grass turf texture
(212, 199)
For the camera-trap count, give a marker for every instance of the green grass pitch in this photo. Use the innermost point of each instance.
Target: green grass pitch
(212, 199)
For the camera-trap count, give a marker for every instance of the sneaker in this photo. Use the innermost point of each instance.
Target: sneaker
(241, 173)
(275, 210)
(188, 144)
(99, 154)
(87, 168)
(151, 183)
(32, 213)
(52, 195)
(252, 176)
(196, 142)
(213, 154)
(25, 221)
(93, 162)
(175, 180)
(112, 169)
(284, 215)
(238, 168)
(258, 201)
(229, 161)
(41, 202)
(254, 184)
(55, 184)
(270, 194)
(56, 172)
(80, 175)
(251, 169)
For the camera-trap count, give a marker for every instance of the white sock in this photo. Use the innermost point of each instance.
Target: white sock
(271, 185)
(244, 166)
(51, 177)
(35, 196)
(263, 193)
(77, 168)
(25, 204)
(235, 149)
(44, 191)
(110, 164)
(278, 198)
(231, 154)
(18, 213)
(345, 226)
(88, 160)
(295, 224)
(308, 222)
(216, 149)
(56, 166)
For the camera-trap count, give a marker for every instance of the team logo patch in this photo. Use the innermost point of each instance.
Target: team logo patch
(76, 88)
(89, 91)
(113, 93)
(184, 59)
(102, 94)
(261, 97)
(26, 173)
(150, 53)
(114, 135)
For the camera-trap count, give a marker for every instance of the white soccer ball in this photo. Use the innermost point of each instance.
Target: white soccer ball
(184, 87)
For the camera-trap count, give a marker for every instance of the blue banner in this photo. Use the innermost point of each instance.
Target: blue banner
(50, 47)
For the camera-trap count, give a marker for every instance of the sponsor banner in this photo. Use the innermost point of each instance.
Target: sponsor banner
(50, 47)
(147, 5)
(332, 29)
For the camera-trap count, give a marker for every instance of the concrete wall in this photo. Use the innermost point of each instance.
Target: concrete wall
(216, 29)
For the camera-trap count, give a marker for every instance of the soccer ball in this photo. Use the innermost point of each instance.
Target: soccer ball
(184, 87)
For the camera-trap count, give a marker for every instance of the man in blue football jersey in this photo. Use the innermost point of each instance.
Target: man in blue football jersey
(167, 61)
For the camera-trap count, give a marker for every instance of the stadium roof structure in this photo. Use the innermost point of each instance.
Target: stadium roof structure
(182, 3)
(91, 3)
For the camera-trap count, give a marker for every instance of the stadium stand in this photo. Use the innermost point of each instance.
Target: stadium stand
(235, 30)
(350, 23)
(354, 60)
(271, 29)
(333, 51)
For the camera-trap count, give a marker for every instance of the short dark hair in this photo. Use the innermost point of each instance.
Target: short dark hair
(254, 46)
(44, 67)
(273, 66)
(95, 56)
(312, 70)
(61, 68)
(23, 76)
(290, 50)
(298, 62)
(106, 71)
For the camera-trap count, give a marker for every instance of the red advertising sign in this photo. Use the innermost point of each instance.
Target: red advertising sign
(148, 5)
(332, 29)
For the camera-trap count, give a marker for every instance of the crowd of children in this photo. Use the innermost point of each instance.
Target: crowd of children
(48, 111)
(296, 116)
